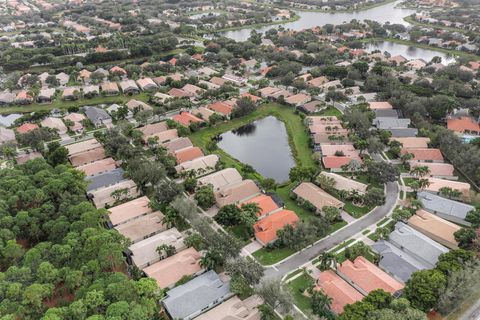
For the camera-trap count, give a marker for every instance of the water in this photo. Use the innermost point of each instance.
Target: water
(7, 120)
(308, 19)
(408, 52)
(263, 144)
(204, 14)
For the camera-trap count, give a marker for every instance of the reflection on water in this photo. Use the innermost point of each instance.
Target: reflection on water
(308, 19)
(408, 52)
(262, 144)
(8, 120)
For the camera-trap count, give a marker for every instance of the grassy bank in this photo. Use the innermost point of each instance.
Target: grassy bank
(469, 56)
(362, 8)
(297, 287)
(411, 20)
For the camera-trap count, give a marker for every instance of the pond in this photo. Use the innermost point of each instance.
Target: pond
(7, 120)
(408, 52)
(263, 144)
(309, 19)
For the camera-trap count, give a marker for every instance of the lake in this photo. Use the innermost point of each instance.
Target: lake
(310, 19)
(408, 52)
(8, 120)
(263, 144)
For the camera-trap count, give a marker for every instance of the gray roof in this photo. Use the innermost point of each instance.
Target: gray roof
(437, 204)
(386, 113)
(391, 122)
(397, 262)
(96, 115)
(104, 179)
(416, 244)
(190, 298)
(404, 132)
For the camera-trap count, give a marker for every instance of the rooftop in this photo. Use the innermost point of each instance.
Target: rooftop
(237, 192)
(221, 178)
(129, 210)
(82, 146)
(85, 157)
(266, 229)
(235, 309)
(103, 196)
(99, 166)
(425, 154)
(316, 196)
(436, 169)
(188, 154)
(104, 179)
(344, 183)
(142, 227)
(265, 204)
(206, 163)
(435, 228)
(437, 204)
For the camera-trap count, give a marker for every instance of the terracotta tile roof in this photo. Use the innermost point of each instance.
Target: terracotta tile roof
(375, 105)
(264, 202)
(413, 142)
(338, 289)
(178, 144)
(168, 271)
(266, 229)
(185, 118)
(251, 97)
(463, 125)
(26, 127)
(426, 154)
(129, 210)
(237, 192)
(221, 107)
(333, 162)
(188, 154)
(348, 150)
(194, 90)
(117, 69)
(221, 179)
(82, 146)
(99, 166)
(218, 81)
(316, 196)
(437, 184)
(436, 169)
(435, 227)
(153, 128)
(298, 98)
(85, 157)
(368, 276)
(267, 91)
(179, 93)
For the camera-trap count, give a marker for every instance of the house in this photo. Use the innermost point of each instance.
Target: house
(252, 97)
(437, 184)
(391, 123)
(239, 81)
(97, 167)
(129, 211)
(267, 228)
(298, 99)
(366, 276)
(163, 79)
(26, 128)
(317, 82)
(46, 95)
(7, 136)
(188, 154)
(221, 179)
(451, 210)
(110, 88)
(413, 142)
(23, 97)
(203, 113)
(85, 157)
(398, 59)
(70, 93)
(143, 227)
(107, 196)
(424, 154)
(147, 84)
(396, 262)
(436, 170)
(118, 71)
(307, 191)
(204, 164)
(62, 78)
(386, 113)
(104, 179)
(84, 75)
(267, 91)
(161, 97)
(404, 132)
(436, 228)
(179, 93)
(221, 108)
(416, 244)
(83, 146)
(98, 116)
(416, 64)
(344, 183)
(235, 193)
(265, 203)
(55, 124)
(235, 309)
(376, 105)
(464, 125)
(217, 81)
(144, 253)
(129, 87)
(91, 91)
(347, 150)
(137, 105)
(193, 90)
(170, 270)
(193, 298)
(338, 289)
(206, 71)
(312, 106)
(177, 144)
(7, 97)
(186, 118)
(153, 128)
(24, 157)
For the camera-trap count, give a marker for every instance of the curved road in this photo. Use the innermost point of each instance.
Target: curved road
(281, 269)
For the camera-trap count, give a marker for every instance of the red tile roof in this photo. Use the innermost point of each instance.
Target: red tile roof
(266, 229)
(26, 127)
(424, 154)
(221, 107)
(185, 118)
(463, 124)
(188, 154)
(264, 202)
(334, 162)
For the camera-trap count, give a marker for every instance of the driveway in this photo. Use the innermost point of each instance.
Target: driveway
(279, 270)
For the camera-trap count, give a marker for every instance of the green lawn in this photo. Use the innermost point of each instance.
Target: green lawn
(330, 111)
(382, 221)
(267, 258)
(241, 232)
(297, 288)
(366, 231)
(342, 245)
(290, 204)
(409, 181)
(293, 274)
(356, 211)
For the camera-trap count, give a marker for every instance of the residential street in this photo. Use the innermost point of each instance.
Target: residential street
(331, 241)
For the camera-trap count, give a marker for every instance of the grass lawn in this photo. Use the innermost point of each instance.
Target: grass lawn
(330, 111)
(290, 204)
(366, 231)
(390, 155)
(240, 232)
(297, 287)
(266, 257)
(382, 221)
(356, 211)
(342, 245)
(293, 274)
(409, 181)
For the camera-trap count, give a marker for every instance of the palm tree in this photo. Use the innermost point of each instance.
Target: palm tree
(423, 183)
(327, 260)
(208, 261)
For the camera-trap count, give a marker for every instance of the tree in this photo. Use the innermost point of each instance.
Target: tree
(243, 107)
(328, 260)
(321, 305)
(474, 217)
(424, 288)
(383, 172)
(229, 215)
(455, 260)
(356, 250)
(246, 268)
(267, 312)
(165, 191)
(374, 197)
(332, 214)
(383, 233)
(375, 145)
(166, 250)
(239, 286)
(302, 174)
(401, 214)
(190, 184)
(325, 182)
(274, 295)
(269, 184)
(465, 237)
(450, 193)
(52, 81)
(56, 154)
(145, 172)
(205, 197)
